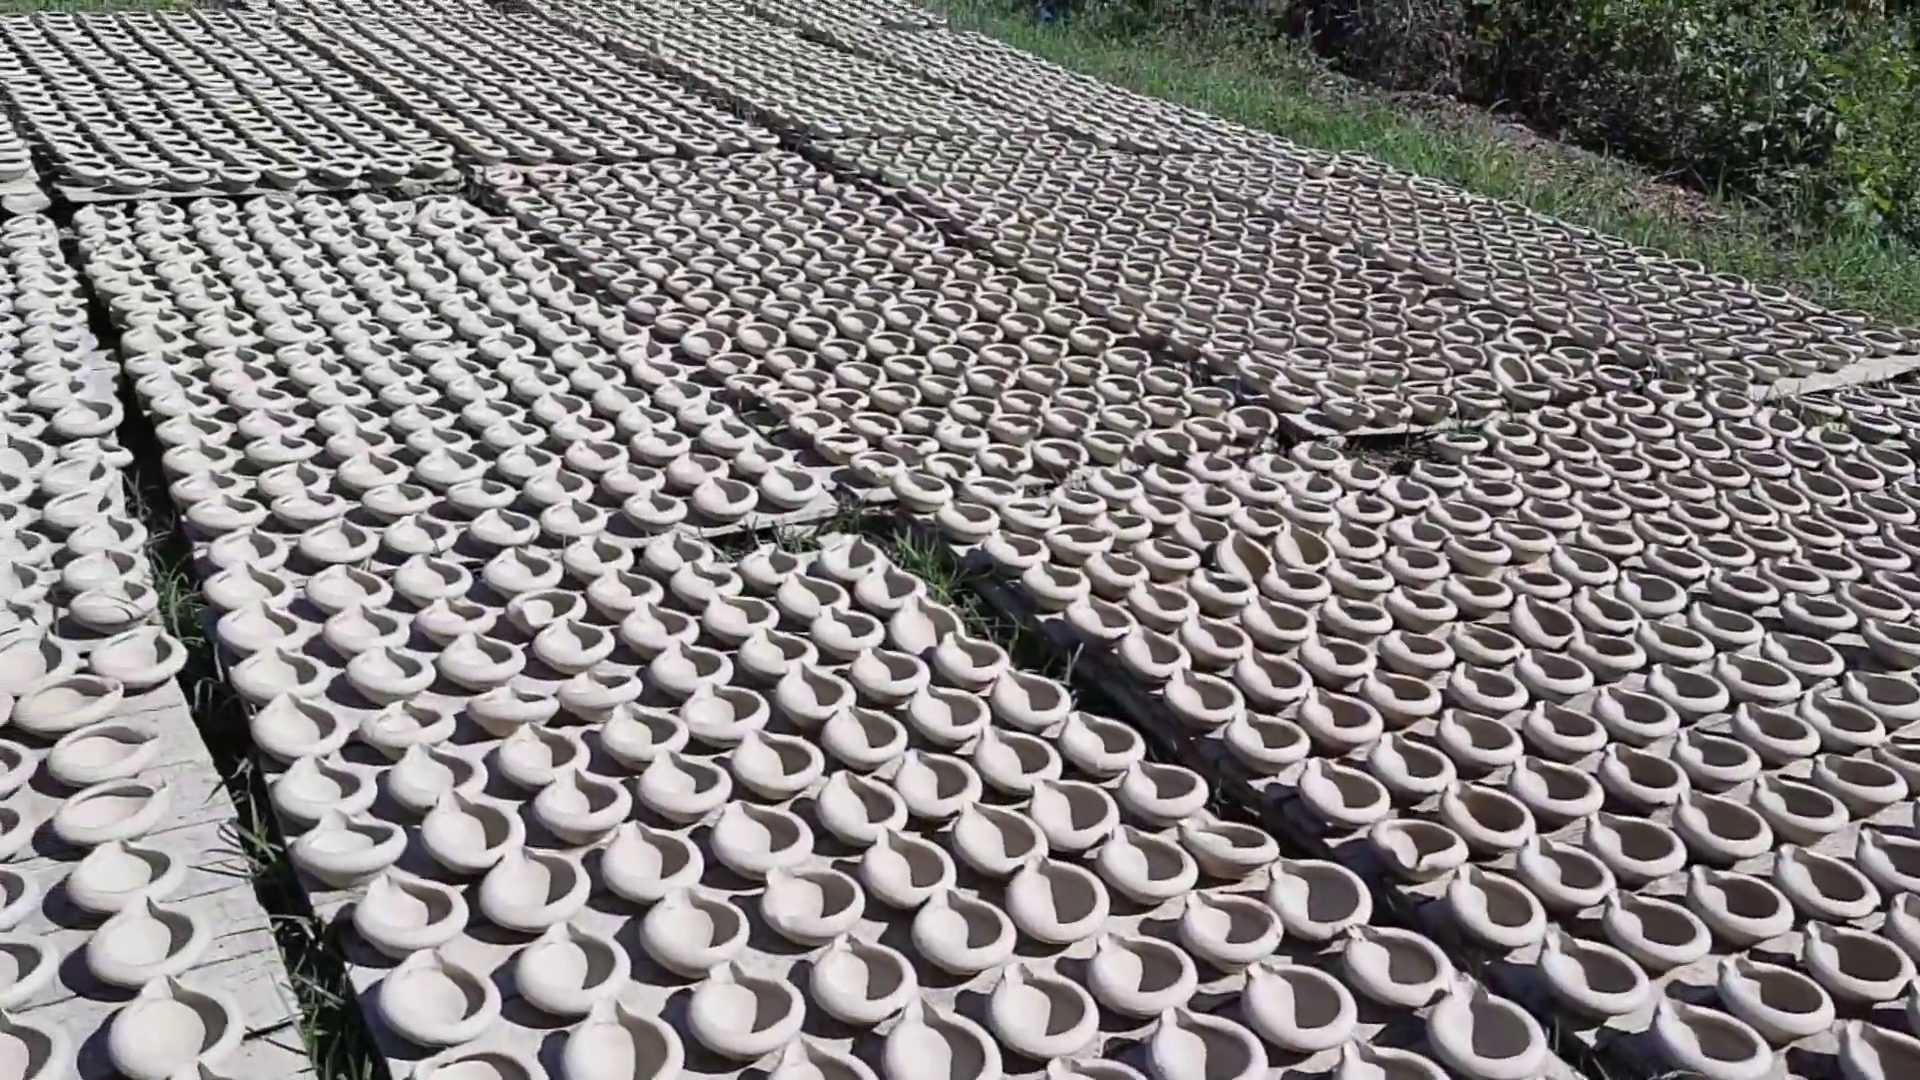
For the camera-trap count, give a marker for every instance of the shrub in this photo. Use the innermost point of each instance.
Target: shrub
(1810, 105)
(1873, 174)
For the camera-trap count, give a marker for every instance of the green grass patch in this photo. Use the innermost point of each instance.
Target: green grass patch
(331, 1026)
(921, 554)
(953, 585)
(1266, 82)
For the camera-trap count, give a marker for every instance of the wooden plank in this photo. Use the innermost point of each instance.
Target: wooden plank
(1876, 369)
(242, 959)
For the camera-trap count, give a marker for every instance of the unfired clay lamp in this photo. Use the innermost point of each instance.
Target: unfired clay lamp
(1042, 1016)
(1486, 1037)
(146, 941)
(619, 1042)
(567, 971)
(1188, 1046)
(118, 873)
(929, 1044)
(861, 983)
(1298, 1008)
(1596, 979)
(1868, 1052)
(1708, 1042)
(433, 1001)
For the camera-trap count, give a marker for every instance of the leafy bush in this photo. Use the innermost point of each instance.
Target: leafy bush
(1873, 173)
(1812, 105)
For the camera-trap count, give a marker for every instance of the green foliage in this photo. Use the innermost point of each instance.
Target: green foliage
(1728, 91)
(1254, 72)
(1808, 104)
(1874, 170)
(1800, 101)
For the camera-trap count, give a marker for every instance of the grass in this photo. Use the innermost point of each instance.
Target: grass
(331, 1027)
(1266, 82)
(950, 583)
